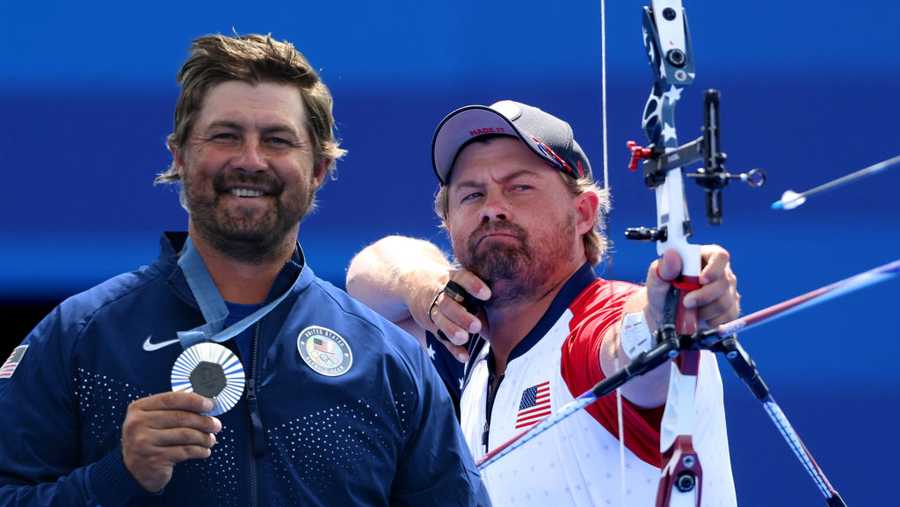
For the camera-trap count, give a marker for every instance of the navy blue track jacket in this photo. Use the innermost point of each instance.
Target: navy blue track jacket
(383, 433)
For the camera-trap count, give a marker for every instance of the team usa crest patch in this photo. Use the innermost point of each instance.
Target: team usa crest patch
(6, 371)
(534, 406)
(324, 351)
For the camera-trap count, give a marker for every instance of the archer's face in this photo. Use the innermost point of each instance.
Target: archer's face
(248, 166)
(511, 219)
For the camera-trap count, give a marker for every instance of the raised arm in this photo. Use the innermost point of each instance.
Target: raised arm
(398, 277)
(717, 302)
(403, 278)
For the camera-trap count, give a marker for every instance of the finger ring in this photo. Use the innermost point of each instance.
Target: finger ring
(433, 304)
(453, 289)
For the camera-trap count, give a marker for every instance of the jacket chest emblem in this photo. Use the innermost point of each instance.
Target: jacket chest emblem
(325, 351)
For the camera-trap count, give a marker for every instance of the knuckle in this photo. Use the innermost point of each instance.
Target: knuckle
(178, 454)
(170, 401)
(432, 313)
(452, 329)
(195, 452)
(188, 420)
(186, 452)
(455, 312)
(141, 441)
(443, 303)
(440, 321)
(182, 419)
(186, 436)
(459, 276)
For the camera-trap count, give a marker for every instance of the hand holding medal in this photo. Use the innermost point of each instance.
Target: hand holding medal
(165, 429)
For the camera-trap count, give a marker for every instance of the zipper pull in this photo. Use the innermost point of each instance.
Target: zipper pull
(251, 388)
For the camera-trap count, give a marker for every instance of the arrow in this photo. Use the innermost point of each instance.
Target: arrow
(791, 199)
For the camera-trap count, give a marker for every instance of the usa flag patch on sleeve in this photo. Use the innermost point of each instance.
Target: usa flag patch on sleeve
(6, 371)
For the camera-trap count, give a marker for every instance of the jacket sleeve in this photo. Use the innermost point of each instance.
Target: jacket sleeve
(436, 467)
(40, 442)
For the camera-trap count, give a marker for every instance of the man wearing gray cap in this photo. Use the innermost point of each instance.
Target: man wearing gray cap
(537, 326)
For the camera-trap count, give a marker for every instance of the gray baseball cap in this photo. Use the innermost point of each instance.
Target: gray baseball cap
(549, 137)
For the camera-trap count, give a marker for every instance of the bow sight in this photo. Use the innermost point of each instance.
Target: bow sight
(713, 176)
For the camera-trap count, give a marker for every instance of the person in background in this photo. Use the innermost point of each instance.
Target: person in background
(525, 219)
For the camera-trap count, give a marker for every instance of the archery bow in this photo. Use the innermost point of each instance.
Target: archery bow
(666, 39)
(668, 47)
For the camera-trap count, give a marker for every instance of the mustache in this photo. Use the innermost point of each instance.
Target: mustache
(263, 181)
(488, 228)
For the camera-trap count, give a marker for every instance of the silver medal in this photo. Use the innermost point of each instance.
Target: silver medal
(210, 370)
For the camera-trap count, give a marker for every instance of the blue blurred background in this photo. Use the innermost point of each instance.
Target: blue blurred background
(809, 92)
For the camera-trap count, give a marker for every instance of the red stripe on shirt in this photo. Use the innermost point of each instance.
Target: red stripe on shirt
(595, 310)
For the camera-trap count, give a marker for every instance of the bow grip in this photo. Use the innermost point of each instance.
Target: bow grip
(686, 322)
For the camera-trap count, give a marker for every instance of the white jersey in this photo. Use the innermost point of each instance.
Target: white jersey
(577, 462)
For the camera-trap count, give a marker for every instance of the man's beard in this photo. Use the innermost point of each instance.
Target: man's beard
(519, 271)
(244, 234)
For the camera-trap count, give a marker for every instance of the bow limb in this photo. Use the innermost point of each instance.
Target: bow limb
(668, 48)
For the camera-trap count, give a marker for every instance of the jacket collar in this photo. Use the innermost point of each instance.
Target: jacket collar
(171, 244)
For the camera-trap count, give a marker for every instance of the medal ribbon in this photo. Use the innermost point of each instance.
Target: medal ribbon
(211, 303)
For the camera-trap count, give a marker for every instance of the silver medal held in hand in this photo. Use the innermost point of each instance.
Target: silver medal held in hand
(210, 370)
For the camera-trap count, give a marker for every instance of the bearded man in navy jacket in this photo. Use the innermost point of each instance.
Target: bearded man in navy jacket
(337, 406)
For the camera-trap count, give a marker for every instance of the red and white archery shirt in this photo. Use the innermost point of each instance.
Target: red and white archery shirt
(577, 462)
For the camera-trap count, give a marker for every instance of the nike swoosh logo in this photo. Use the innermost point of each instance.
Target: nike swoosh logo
(150, 346)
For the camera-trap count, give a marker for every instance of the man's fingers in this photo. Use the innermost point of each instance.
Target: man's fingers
(722, 310)
(453, 329)
(180, 400)
(715, 263)
(167, 419)
(660, 275)
(460, 353)
(472, 284)
(181, 437)
(668, 266)
(177, 454)
(457, 314)
(716, 303)
(706, 294)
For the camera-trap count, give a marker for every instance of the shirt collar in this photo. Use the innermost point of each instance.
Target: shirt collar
(584, 276)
